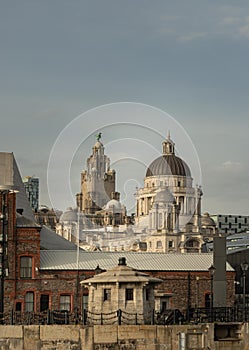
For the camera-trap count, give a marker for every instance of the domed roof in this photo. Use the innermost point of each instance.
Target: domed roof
(114, 205)
(168, 163)
(69, 215)
(164, 195)
(206, 220)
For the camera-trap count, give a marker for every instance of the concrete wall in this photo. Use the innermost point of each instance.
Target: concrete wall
(110, 337)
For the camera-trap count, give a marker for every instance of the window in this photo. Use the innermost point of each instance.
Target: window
(129, 294)
(171, 244)
(159, 244)
(26, 267)
(147, 294)
(207, 300)
(65, 302)
(29, 301)
(44, 302)
(18, 306)
(85, 301)
(192, 243)
(107, 294)
(164, 304)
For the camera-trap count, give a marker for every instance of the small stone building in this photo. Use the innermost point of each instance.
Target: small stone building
(122, 288)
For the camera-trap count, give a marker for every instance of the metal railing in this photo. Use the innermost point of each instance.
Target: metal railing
(65, 317)
(120, 317)
(218, 314)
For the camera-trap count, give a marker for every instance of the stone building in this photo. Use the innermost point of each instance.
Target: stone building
(98, 199)
(47, 216)
(42, 271)
(168, 206)
(97, 181)
(122, 288)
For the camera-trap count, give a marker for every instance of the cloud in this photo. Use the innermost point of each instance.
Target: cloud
(229, 164)
(244, 31)
(192, 36)
(231, 10)
(227, 21)
(237, 26)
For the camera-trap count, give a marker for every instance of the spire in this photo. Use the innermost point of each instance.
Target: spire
(168, 146)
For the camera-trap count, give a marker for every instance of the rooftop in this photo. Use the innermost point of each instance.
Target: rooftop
(67, 260)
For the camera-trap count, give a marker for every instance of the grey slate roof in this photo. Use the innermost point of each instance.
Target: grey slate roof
(51, 241)
(59, 260)
(22, 221)
(10, 178)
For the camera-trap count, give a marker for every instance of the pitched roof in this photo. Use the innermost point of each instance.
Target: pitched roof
(122, 274)
(10, 179)
(51, 241)
(143, 261)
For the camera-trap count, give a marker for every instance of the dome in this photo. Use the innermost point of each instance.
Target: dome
(168, 165)
(114, 205)
(165, 196)
(206, 220)
(69, 215)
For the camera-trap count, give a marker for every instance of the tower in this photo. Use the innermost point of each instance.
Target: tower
(168, 204)
(97, 181)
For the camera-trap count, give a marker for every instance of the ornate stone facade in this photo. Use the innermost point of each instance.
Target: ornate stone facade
(97, 181)
(168, 206)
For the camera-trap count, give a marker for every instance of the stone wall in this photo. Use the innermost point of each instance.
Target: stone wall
(196, 337)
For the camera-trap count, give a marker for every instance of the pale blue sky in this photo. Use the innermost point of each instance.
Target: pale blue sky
(189, 58)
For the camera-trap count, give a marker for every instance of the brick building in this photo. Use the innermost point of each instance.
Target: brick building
(40, 270)
(40, 279)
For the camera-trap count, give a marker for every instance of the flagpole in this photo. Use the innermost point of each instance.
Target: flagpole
(78, 239)
(77, 258)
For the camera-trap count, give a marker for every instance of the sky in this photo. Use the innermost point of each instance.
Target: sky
(60, 59)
